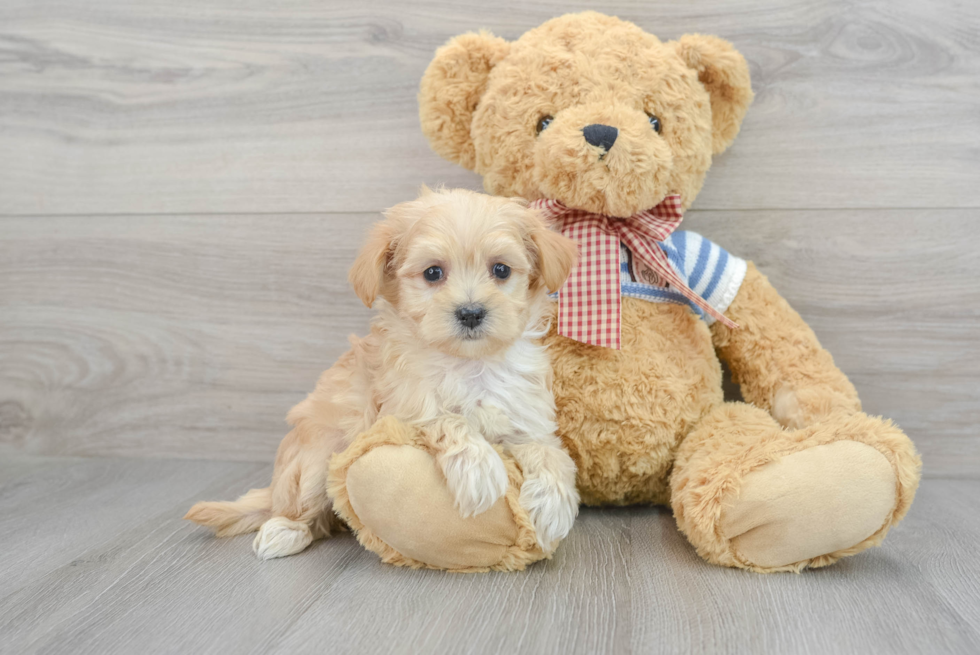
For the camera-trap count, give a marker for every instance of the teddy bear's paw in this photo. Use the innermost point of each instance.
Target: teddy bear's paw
(786, 409)
(279, 537)
(476, 476)
(798, 409)
(552, 507)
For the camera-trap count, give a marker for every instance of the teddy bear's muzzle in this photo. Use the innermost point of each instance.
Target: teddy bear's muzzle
(576, 161)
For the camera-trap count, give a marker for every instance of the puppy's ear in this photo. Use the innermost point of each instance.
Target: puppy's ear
(367, 273)
(452, 87)
(557, 255)
(725, 75)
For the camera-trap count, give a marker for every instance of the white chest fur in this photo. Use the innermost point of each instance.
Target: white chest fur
(515, 382)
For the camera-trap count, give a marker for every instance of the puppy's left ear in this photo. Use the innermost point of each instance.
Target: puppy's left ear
(725, 75)
(367, 273)
(557, 255)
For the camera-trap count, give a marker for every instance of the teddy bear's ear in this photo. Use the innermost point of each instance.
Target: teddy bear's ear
(451, 89)
(725, 74)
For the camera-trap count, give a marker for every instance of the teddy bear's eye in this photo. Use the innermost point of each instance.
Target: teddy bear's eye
(544, 122)
(655, 123)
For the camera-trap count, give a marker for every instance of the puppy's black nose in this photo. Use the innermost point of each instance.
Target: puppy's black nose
(603, 136)
(471, 315)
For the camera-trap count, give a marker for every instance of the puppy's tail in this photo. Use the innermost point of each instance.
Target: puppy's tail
(228, 518)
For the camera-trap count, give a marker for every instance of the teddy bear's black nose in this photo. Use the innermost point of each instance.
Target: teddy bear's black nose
(603, 136)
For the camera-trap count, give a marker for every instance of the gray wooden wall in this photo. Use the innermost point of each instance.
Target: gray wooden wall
(183, 185)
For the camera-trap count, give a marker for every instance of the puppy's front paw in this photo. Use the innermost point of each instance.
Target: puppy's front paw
(552, 506)
(279, 537)
(476, 477)
(491, 422)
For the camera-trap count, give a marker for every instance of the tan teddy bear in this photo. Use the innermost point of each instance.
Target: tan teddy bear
(613, 132)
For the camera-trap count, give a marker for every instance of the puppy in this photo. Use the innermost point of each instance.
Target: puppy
(460, 281)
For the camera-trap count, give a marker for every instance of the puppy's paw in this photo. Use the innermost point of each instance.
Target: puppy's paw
(280, 536)
(552, 506)
(491, 422)
(476, 477)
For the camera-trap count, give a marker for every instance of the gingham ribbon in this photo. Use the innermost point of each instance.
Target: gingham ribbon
(589, 303)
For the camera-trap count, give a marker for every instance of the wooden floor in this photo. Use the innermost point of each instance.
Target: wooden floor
(183, 185)
(97, 560)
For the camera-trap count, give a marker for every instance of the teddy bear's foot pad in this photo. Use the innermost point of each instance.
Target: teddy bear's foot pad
(816, 501)
(401, 495)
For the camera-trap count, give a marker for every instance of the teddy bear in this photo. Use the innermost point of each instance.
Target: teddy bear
(611, 131)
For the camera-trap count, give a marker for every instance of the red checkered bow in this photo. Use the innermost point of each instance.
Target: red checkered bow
(589, 303)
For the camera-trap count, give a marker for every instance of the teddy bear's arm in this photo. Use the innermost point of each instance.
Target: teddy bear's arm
(777, 360)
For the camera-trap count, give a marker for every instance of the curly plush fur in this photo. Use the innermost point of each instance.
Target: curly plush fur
(797, 477)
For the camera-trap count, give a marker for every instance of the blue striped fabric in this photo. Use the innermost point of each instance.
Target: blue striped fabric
(708, 269)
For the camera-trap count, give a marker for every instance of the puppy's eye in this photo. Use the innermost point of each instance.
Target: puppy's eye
(433, 274)
(544, 122)
(501, 271)
(655, 123)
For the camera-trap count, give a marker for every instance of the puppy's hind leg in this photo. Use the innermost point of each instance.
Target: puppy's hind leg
(279, 537)
(301, 511)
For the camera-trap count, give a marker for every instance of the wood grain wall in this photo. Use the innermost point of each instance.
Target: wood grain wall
(183, 185)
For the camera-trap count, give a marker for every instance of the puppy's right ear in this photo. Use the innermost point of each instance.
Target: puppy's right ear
(367, 273)
(452, 87)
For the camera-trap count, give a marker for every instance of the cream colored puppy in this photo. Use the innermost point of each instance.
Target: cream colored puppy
(460, 281)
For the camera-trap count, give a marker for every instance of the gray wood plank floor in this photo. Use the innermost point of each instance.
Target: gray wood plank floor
(98, 560)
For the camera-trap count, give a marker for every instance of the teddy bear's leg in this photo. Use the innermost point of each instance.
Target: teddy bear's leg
(749, 494)
(388, 487)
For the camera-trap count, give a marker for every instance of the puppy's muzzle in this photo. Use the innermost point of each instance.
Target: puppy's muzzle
(471, 316)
